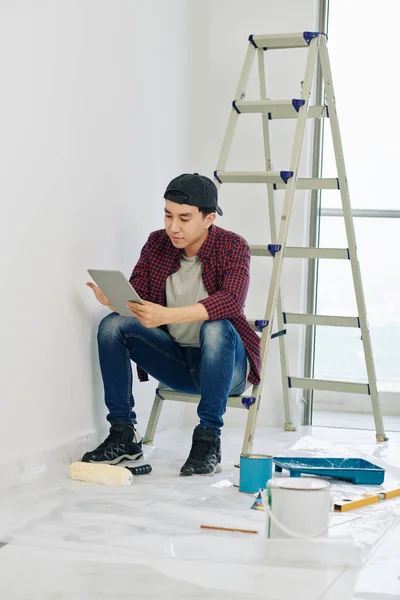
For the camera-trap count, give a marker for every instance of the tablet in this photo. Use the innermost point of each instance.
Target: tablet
(116, 288)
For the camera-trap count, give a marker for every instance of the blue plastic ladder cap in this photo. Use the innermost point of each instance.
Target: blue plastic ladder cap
(261, 323)
(216, 176)
(310, 35)
(247, 401)
(297, 103)
(251, 40)
(278, 333)
(235, 107)
(286, 175)
(274, 248)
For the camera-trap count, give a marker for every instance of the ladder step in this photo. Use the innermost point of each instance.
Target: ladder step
(251, 176)
(313, 183)
(167, 394)
(327, 385)
(276, 178)
(330, 321)
(280, 41)
(278, 109)
(300, 252)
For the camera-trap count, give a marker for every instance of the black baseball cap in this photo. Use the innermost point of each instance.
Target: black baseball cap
(195, 190)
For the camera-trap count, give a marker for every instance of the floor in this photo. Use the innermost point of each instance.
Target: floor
(353, 421)
(67, 540)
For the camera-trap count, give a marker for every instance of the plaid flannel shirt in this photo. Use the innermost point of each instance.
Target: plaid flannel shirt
(225, 258)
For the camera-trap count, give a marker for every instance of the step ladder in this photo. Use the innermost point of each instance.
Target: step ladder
(299, 109)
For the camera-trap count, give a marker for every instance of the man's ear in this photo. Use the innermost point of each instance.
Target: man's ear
(210, 219)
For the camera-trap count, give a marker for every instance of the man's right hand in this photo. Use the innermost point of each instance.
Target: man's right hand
(98, 293)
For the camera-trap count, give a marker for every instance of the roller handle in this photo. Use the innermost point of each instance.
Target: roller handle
(141, 470)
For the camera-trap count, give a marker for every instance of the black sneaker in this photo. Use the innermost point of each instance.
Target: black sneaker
(205, 454)
(123, 443)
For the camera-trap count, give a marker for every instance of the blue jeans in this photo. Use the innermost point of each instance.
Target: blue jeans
(215, 370)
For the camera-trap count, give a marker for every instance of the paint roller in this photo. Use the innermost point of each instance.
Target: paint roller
(106, 474)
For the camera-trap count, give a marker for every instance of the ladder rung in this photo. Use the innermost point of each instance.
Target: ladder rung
(313, 183)
(249, 177)
(167, 394)
(280, 41)
(278, 109)
(275, 177)
(327, 385)
(328, 320)
(299, 252)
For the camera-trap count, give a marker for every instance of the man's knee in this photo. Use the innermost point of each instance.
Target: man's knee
(108, 327)
(213, 333)
(113, 325)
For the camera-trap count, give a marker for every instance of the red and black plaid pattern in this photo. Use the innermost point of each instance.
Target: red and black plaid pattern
(225, 258)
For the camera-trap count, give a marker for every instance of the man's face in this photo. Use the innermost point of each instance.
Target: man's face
(185, 225)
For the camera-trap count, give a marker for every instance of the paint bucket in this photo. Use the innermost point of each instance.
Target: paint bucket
(236, 475)
(297, 507)
(255, 471)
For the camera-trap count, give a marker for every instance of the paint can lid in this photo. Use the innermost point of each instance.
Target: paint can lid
(256, 456)
(299, 483)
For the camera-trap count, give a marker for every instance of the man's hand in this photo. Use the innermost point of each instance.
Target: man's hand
(100, 296)
(98, 293)
(154, 315)
(149, 314)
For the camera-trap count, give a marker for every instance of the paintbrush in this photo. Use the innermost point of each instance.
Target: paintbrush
(227, 529)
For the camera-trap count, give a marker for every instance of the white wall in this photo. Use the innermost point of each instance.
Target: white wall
(93, 124)
(101, 104)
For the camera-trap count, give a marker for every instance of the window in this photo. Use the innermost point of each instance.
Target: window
(362, 45)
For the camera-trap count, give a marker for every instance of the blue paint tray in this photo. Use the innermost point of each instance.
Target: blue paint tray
(356, 470)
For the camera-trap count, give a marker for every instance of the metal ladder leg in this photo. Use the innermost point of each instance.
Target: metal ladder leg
(153, 420)
(289, 426)
(351, 239)
(221, 164)
(283, 232)
(234, 116)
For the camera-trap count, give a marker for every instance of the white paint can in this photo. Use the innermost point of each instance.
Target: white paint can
(297, 507)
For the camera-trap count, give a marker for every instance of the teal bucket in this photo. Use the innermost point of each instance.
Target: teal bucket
(255, 472)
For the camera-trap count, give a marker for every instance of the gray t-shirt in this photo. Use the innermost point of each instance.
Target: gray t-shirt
(184, 288)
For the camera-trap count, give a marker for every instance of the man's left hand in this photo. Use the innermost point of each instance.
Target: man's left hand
(148, 313)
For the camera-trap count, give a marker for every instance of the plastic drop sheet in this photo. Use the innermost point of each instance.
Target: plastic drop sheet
(155, 524)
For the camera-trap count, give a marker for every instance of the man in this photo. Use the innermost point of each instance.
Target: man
(190, 334)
